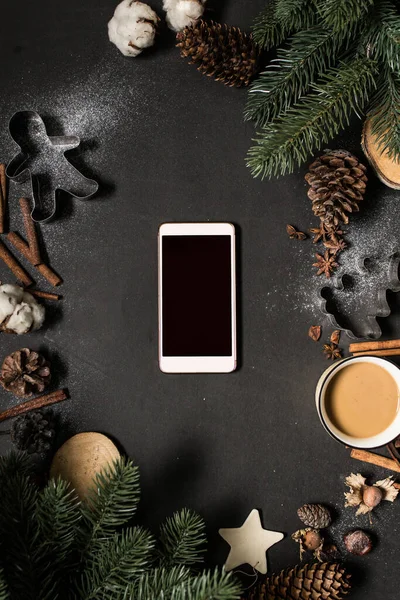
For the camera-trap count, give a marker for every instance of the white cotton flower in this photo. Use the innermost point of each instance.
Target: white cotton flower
(19, 311)
(133, 27)
(21, 320)
(183, 13)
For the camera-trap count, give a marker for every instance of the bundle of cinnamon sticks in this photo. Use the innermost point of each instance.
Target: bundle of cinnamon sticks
(29, 249)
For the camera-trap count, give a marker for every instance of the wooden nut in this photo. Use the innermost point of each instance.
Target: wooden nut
(81, 458)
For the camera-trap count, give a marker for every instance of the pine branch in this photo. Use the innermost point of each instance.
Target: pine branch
(112, 503)
(182, 539)
(57, 515)
(314, 120)
(18, 531)
(276, 21)
(287, 78)
(384, 34)
(343, 14)
(385, 114)
(12, 463)
(157, 583)
(4, 595)
(116, 562)
(216, 585)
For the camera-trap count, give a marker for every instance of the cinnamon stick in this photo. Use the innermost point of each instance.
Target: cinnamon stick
(14, 266)
(22, 246)
(19, 244)
(375, 459)
(49, 274)
(3, 196)
(378, 345)
(45, 295)
(388, 352)
(30, 230)
(34, 404)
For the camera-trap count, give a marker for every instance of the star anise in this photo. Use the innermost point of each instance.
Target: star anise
(332, 351)
(325, 264)
(334, 234)
(319, 233)
(335, 245)
(294, 234)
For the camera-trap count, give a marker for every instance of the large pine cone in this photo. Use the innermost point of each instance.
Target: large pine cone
(317, 581)
(25, 373)
(34, 432)
(337, 183)
(315, 516)
(220, 51)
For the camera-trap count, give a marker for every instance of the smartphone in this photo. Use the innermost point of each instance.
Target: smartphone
(197, 298)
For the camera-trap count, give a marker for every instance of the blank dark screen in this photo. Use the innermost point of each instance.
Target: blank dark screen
(196, 295)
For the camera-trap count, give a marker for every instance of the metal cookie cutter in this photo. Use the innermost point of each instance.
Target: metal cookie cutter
(356, 299)
(41, 159)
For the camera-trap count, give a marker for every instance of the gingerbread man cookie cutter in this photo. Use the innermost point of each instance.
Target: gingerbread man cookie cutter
(42, 160)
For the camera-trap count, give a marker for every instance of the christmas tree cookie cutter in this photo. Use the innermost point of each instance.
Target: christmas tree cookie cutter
(42, 160)
(355, 300)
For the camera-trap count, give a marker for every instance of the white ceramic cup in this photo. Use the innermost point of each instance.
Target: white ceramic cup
(382, 438)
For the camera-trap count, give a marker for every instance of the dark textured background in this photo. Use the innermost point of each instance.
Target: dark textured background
(168, 144)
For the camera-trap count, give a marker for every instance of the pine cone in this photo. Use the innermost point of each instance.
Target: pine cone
(25, 373)
(337, 183)
(315, 516)
(220, 51)
(317, 581)
(34, 432)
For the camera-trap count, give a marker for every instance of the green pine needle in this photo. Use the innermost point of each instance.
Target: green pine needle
(159, 583)
(113, 501)
(342, 14)
(115, 563)
(384, 37)
(311, 52)
(385, 114)
(216, 586)
(183, 539)
(311, 123)
(4, 595)
(277, 21)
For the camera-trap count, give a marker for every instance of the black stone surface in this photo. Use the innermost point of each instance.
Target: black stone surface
(168, 144)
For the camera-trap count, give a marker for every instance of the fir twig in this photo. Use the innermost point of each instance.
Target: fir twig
(306, 126)
(287, 78)
(116, 562)
(279, 19)
(342, 14)
(385, 114)
(4, 595)
(183, 539)
(384, 34)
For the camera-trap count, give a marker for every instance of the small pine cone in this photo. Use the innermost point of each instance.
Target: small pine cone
(315, 516)
(337, 183)
(34, 432)
(220, 51)
(24, 373)
(317, 581)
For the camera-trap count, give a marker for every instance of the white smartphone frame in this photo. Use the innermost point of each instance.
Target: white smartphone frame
(198, 364)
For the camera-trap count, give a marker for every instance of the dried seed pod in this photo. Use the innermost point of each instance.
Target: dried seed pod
(358, 542)
(372, 496)
(315, 332)
(309, 539)
(335, 337)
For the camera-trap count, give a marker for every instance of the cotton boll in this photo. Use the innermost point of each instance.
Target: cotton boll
(183, 13)
(10, 296)
(20, 312)
(38, 314)
(21, 320)
(133, 27)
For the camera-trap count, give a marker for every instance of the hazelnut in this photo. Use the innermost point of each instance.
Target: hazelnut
(372, 495)
(358, 542)
(311, 539)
